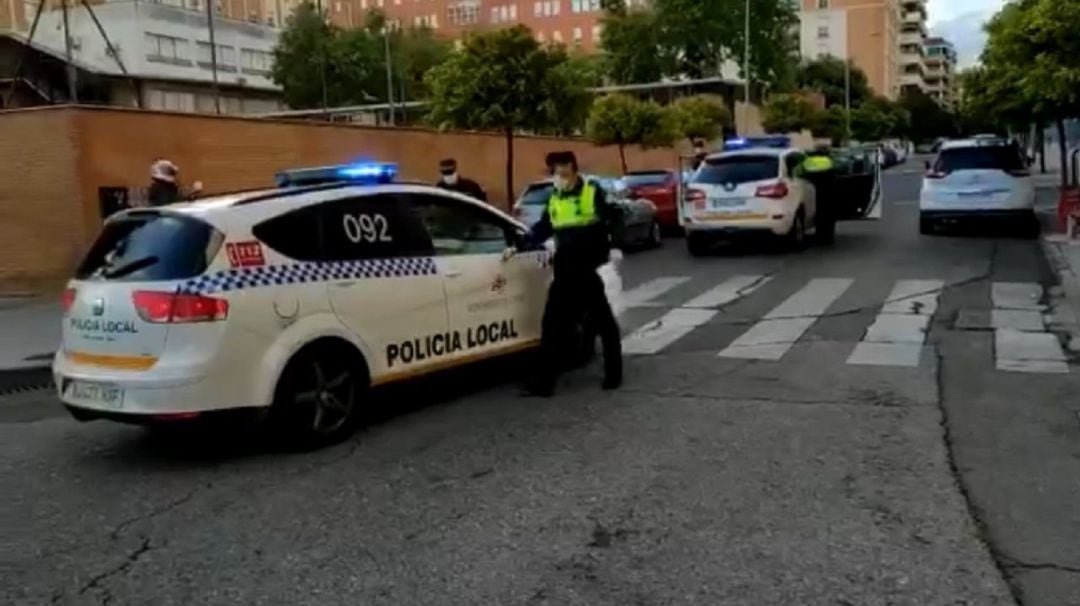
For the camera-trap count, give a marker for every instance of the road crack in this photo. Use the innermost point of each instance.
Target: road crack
(1017, 564)
(114, 534)
(95, 582)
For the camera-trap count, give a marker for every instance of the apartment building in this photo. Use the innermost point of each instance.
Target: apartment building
(575, 23)
(867, 32)
(913, 34)
(166, 51)
(18, 15)
(940, 61)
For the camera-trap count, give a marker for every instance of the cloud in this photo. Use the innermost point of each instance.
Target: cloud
(966, 33)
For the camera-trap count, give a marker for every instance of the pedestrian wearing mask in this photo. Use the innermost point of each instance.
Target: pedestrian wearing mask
(451, 180)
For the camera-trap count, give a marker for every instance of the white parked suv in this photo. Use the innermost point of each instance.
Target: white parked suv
(753, 191)
(292, 300)
(980, 178)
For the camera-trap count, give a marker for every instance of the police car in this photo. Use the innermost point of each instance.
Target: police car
(292, 300)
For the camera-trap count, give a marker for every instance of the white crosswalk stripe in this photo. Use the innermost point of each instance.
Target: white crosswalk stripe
(1021, 342)
(651, 290)
(679, 322)
(897, 335)
(771, 338)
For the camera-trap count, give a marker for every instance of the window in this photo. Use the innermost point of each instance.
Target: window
(577, 35)
(457, 228)
(823, 32)
(597, 31)
(537, 194)
(793, 162)
(989, 157)
(149, 246)
(823, 3)
(463, 14)
(738, 170)
(166, 49)
(354, 229)
(584, 6)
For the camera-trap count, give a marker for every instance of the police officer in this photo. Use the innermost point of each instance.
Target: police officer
(818, 169)
(163, 187)
(579, 217)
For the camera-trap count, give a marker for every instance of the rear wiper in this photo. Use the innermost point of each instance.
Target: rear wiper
(128, 268)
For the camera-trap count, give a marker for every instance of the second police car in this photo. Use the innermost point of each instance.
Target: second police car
(293, 300)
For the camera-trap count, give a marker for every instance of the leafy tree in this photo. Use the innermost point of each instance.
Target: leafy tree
(788, 113)
(630, 46)
(415, 52)
(872, 122)
(500, 80)
(700, 117)
(826, 76)
(929, 120)
(774, 42)
(1031, 63)
(623, 120)
(568, 93)
(307, 46)
(831, 123)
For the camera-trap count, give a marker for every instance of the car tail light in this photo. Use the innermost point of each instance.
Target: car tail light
(696, 197)
(179, 308)
(67, 299)
(774, 190)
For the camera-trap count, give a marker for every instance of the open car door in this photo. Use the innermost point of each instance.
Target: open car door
(858, 183)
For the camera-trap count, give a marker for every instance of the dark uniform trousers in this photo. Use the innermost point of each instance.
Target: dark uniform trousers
(577, 302)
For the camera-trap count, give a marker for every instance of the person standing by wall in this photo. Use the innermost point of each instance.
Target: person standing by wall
(451, 180)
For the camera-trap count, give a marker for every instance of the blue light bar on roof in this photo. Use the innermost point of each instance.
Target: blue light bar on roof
(774, 141)
(364, 173)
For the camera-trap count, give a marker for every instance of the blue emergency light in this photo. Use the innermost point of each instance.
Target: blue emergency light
(363, 173)
(774, 141)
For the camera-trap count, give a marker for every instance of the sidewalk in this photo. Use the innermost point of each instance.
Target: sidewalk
(30, 336)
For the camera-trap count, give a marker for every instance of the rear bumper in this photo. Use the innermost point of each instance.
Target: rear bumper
(775, 225)
(978, 214)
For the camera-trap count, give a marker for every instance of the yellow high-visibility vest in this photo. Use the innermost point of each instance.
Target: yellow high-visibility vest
(576, 210)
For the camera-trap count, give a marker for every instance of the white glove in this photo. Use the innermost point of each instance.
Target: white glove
(508, 253)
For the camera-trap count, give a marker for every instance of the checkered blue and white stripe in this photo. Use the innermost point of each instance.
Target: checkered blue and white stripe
(302, 273)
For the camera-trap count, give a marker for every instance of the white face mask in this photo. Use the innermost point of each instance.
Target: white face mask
(562, 183)
(450, 179)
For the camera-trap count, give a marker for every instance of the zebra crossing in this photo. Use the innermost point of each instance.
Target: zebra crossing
(896, 337)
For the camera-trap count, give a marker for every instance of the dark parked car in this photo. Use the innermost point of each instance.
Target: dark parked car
(637, 226)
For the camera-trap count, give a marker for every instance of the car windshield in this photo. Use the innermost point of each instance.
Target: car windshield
(537, 194)
(990, 157)
(150, 246)
(645, 178)
(737, 170)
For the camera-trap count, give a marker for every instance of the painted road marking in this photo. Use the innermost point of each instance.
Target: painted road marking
(677, 323)
(727, 292)
(1021, 342)
(897, 335)
(771, 338)
(647, 292)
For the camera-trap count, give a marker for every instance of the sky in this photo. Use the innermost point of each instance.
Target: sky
(946, 10)
(960, 22)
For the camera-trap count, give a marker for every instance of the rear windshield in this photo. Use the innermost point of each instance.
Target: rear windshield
(151, 246)
(996, 157)
(737, 170)
(537, 194)
(639, 179)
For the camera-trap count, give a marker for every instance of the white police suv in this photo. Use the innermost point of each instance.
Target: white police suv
(293, 300)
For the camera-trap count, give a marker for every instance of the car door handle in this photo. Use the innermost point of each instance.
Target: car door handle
(346, 284)
(452, 273)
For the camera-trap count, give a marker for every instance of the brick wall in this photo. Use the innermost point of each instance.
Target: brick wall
(41, 226)
(57, 158)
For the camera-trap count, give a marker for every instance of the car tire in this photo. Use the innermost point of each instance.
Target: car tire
(795, 240)
(318, 396)
(696, 245)
(656, 236)
(1032, 228)
(926, 226)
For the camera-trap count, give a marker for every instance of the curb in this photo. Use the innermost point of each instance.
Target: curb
(1066, 315)
(15, 380)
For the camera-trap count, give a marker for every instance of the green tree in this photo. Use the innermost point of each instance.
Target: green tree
(831, 123)
(774, 42)
(700, 117)
(788, 113)
(415, 52)
(630, 46)
(500, 80)
(826, 76)
(623, 120)
(309, 45)
(1031, 63)
(929, 120)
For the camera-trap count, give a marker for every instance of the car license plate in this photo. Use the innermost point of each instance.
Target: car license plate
(91, 393)
(727, 202)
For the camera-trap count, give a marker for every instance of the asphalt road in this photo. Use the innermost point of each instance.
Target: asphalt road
(711, 478)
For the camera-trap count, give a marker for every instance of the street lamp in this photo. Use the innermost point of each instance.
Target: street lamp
(746, 53)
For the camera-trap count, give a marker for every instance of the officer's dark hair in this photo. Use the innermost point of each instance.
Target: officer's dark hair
(448, 163)
(560, 158)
